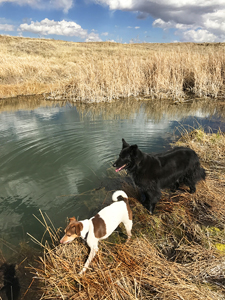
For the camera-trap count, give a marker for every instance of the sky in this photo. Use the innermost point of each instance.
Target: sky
(121, 21)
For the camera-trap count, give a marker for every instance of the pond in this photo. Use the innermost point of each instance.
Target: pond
(56, 157)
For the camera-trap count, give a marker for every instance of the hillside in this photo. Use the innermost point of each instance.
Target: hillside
(104, 71)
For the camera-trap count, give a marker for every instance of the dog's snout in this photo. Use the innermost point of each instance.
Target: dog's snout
(62, 240)
(116, 163)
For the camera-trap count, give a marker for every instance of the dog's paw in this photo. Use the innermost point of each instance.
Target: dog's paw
(81, 272)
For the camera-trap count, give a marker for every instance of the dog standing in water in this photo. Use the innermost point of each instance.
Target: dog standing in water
(101, 225)
(151, 173)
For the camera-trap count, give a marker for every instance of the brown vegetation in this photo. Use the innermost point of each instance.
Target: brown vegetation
(178, 253)
(105, 71)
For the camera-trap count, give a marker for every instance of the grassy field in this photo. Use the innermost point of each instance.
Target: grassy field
(104, 71)
(176, 254)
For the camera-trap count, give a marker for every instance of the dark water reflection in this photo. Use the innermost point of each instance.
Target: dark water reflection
(52, 154)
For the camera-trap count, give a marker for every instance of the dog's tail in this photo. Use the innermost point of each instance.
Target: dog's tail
(119, 195)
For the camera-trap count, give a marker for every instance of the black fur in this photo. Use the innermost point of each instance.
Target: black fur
(151, 173)
(11, 282)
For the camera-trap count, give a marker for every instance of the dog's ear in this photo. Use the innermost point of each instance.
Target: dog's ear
(133, 149)
(125, 144)
(72, 219)
(78, 227)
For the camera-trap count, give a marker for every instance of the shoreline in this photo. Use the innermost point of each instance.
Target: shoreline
(179, 252)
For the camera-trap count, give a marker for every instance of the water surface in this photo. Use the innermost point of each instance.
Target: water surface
(54, 155)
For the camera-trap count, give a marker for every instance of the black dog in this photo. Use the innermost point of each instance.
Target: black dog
(151, 173)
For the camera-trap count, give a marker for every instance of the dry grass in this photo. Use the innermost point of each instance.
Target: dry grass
(178, 253)
(210, 147)
(105, 71)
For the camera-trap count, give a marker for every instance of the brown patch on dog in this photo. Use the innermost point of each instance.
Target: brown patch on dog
(74, 227)
(99, 226)
(72, 219)
(129, 211)
(128, 206)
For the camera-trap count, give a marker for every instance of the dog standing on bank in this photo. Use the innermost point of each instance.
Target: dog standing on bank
(151, 173)
(101, 225)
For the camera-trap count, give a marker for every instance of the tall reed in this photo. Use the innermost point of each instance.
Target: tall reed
(104, 71)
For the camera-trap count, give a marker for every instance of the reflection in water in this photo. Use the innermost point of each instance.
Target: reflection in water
(51, 154)
(154, 110)
(122, 109)
(11, 283)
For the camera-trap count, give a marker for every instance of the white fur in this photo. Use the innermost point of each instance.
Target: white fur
(112, 215)
(117, 194)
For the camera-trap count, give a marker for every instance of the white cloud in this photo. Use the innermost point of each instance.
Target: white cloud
(164, 25)
(116, 4)
(136, 27)
(93, 37)
(105, 33)
(6, 27)
(64, 5)
(51, 27)
(201, 19)
(199, 35)
(171, 24)
(215, 21)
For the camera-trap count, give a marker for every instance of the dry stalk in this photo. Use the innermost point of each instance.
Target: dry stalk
(97, 72)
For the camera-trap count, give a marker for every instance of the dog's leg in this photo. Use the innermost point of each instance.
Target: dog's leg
(151, 207)
(190, 182)
(148, 202)
(175, 186)
(94, 250)
(128, 227)
(152, 197)
(192, 189)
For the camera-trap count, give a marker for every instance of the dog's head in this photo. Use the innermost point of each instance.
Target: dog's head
(72, 231)
(127, 157)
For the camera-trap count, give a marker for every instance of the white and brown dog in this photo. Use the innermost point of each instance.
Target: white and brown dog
(101, 225)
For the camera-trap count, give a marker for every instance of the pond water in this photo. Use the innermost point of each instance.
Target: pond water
(54, 155)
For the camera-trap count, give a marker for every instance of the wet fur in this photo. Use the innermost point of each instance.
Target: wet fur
(151, 173)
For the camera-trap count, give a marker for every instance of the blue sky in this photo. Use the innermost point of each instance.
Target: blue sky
(124, 21)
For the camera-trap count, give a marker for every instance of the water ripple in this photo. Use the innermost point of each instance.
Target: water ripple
(50, 158)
